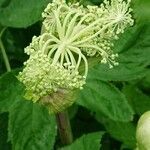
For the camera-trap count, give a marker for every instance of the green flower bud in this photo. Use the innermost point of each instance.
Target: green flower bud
(42, 78)
(143, 132)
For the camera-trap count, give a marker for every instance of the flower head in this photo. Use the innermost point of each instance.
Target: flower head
(72, 33)
(41, 76)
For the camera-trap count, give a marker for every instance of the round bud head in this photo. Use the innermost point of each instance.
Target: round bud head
(143, 132)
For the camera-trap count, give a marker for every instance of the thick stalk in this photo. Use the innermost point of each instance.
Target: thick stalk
(64, 128)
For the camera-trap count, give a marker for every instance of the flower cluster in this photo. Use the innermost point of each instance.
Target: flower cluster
(89, 30)
(41, 76)
(71, 34)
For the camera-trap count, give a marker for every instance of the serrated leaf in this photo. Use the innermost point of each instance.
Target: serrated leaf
(102, 97)
(146, 81)
(140, 51)
(133, 59)
(11, 91)
(31, 127)
(127, 39)
(86, 142)
(21, 13)
(123, 72)
(121, 131)
(139, 101)
(141, 10)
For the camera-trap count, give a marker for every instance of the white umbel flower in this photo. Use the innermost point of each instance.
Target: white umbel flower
(87, 30)
(119, 12)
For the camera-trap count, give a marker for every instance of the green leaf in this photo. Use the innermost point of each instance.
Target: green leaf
(102, 97)
(31, 127)
(124, 132)
(141, 10)
(127, 39)
(21, 13)
(11, 91)
(86, 142)
(146, 81)
(121, 131)
(123, 72)
(139, 53)
(134, 57)
(139, 101)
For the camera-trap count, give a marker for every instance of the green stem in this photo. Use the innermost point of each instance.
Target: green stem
(64, 128)
(6, 61)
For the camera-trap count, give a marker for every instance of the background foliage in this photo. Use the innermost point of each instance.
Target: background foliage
(106, 111)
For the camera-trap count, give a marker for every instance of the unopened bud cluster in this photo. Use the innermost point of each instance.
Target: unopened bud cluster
(42, 78)
(71, 34)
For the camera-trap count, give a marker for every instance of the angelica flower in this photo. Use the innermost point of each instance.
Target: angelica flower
(88, 30)
(72, 33)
